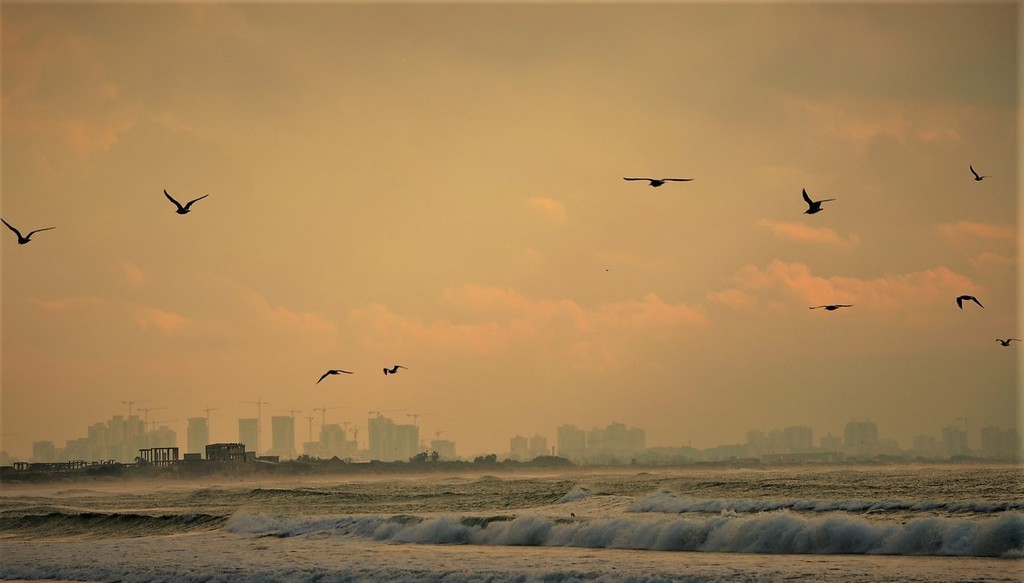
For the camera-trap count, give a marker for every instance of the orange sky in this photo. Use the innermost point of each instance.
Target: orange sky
(440, 186)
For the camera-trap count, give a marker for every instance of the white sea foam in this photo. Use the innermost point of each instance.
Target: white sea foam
(782, 532)
(670, 502)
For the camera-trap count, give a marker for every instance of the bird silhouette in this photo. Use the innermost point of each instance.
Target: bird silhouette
(656, 182)
(832, 307)
(1007, 341)
(977, 177)
(960, 301)
(813, 206)
(183, 210)
(332, 371)
(22, 239)
(392, 370)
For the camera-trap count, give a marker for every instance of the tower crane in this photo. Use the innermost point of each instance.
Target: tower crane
(416, 416)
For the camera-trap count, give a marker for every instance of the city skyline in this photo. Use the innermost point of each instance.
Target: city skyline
(441, 186)
(570, 441)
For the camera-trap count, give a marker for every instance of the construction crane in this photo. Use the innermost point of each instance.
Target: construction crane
(130, 403)
(381, 412)
(323, 412)
(416, 416)
(145, 417)
(311, 418)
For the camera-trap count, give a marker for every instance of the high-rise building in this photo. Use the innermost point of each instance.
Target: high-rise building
(519, 448)
(445, 448)
(538, 447)
(798, 439)
(572, 442)
(44, 452)
(954, 440)
(163, 436)
(249, 434)
(283, 436)
(860, 437)
(391, 442)
(198, 435)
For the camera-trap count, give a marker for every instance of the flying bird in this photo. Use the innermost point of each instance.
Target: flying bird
(832, 307)
(22, 239)
(1007, 341)
(182, 210)
(392, 370)
(332, 371)
(813, 206)
(960, 301)
(659, 181)
(977, 177)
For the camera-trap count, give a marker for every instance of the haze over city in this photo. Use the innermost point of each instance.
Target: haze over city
(440, 186)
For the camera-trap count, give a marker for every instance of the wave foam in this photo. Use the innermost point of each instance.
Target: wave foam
(669, 502)
(779, 532)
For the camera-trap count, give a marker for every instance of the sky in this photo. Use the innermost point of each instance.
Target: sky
(441, 186)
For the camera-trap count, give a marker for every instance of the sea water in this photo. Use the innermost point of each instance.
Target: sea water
(840, 523)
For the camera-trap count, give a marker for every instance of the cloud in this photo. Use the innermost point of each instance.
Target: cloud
(550, 208)
(132, 274)
(966, 230)
(160, 320)
(783, 284)
(863, 120)
(311, 325)
(496, 321)
(788, 231)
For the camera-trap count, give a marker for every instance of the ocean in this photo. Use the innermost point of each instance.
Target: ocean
(803, 523)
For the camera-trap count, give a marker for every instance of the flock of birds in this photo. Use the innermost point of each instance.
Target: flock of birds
(813, 207)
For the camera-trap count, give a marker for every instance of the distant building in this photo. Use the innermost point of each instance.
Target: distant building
(164, 436)
(538, 446)
(1000, 444)
(44, 452)
(954, 441)
(572, 443)
(249, 434)
(519, 448)
(226, 452)
(926, 446)
(614, 444)
(798, 439)
(445, 448)
(860, 437)
(283, 436)
(198, 434)
(390, 441)
(830, 443)
(160, 456)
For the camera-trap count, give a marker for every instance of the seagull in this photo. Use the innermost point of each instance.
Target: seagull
(22, 239)
(977, 177)
(392, 370)
(332, 371)
(182, 210)
(813, 206)
(1007, 341)
(659, 181)
(960, 301)
(832, 307)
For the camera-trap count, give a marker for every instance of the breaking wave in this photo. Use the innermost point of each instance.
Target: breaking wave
(107, 523)
(669, 502)
(782, 532)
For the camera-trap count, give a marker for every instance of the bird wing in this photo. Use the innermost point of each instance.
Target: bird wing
(826, 199)
(975, 300)
(323, 376)
(195, 199)
(807, 198)
(815, 307)
(845, 305)
(176, 203)
(678, 179)
(973, 172)
(30, 233)
(16, 231)
(344, 371)
(624, 178)
(385, 371)
(960, 302)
